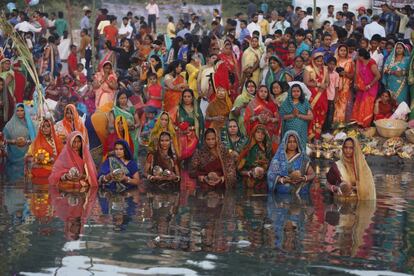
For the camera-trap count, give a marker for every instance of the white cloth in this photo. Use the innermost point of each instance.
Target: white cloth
(27, 27)
(238, 29)
(64, 48)
(282, 25)
(304, 22)
(372, 29)
(102, 26)
(153, 9)
(123, 30)
(401, 112)
(329, 18)
(272, 27)
(379, 59)
(254, 27)
(305, 89)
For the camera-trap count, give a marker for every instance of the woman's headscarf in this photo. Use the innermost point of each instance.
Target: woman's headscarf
(126, 137)
(364, 179)
(288, 106)
(77, 121)
(279, 163)
(41, 142)
(70, 158)
(127, 150)
(252, 142)
(390, 62)
(19, 128)
(156, 131)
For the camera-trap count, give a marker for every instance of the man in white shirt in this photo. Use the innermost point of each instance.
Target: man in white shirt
(304, 22)
(331, 15)
(153, 14)
(26, 27)
(374, 28)
(375, 51)
(126, 30)
(254, 26)
(282, 24)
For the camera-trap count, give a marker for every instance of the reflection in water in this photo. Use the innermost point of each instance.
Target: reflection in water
(177, 227)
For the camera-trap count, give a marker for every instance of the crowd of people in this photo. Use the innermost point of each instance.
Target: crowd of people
(233, 100)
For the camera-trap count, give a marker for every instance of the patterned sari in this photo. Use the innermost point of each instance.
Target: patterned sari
(156, 131)
(397, 85)
(229, 144)
(363, 111)
(116, 135)
(281, 166)
(318, 100)
(65, 127)
(190, 128)
(172, 97)
(105, 95)
(344, 97)
(129, 116)
(241, 100)
(218, 107)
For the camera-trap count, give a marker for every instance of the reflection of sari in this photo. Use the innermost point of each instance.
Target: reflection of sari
(172, 97)
(242, 99)
(156, 131)
(363, 110)
(345, 89)
(397, 85)
(355, 172)
(259, 107)
(203, 162)
(298, 125)
(105, 95)
(65, 127)
(318, 100)
(249, 58)
(129, 116)
(191, 126)
(281, 166)
(69, 158)
(52, 145)
(14, 129)
(116, 135)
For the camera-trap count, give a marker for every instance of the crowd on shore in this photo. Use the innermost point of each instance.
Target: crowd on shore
(227, 100)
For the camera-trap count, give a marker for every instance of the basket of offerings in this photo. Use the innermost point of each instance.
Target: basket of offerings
(409, 133)
(389, 128)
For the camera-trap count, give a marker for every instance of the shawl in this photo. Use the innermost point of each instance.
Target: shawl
(156, 131)
(390, 62)
(258, 106)
(279, 164)
(226, 140)
(41, 142)
(77, 122)
(20, 128)
(69, 159)
(364, 179)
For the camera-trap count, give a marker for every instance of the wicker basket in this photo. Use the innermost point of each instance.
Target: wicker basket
(369, 132)
(409, 133)
(389, 128)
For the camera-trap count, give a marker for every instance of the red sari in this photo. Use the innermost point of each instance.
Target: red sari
(385, 110)
(318, 101)
(231, 63)
(172, 97)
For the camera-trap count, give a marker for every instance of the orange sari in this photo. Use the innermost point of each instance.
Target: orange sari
(65, 127)
(172, 98)
(345, 90)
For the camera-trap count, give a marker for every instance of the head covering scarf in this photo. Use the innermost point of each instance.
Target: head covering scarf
(364, 179)
(126, 137)
(19, 128)
(41, 141)
(156, 131)
(69, 158)
(279, 164)
(77, 122)
(225, 138)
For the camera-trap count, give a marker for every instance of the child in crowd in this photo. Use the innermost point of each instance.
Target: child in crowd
(153, 92)
(384, 106)
(331, 91)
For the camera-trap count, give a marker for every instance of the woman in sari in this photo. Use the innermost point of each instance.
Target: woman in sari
(175, 83)
(351, 175)
(218, 110)
(241, 102)
(316, 78)
(384, 106)
(44, 150)
(276, 72)
(366, 84)
(279, 92)
(230, 61)
(75, 163)
(346, 76)
(125, 109)
(7, 89)
(395, 72)
(105, 85)
(71, 122)
(162, 164)
(290, 169)
(18, 132)
(297, 69)
(119, 168)
(255, 158)
(251, 59)
(189, 124)
(164, 123)
(295, 113)
(107, 55)
(121, 131)
(212, 165)
(233, 139)
(262, 110)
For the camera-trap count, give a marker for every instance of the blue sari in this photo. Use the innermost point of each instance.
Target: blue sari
(281, 166)
(112, 163)
(298, 125)
(18, 128)
(397, 85)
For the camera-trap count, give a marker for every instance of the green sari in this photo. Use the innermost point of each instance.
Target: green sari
(243, 98)
(129, 116)
(229, 144)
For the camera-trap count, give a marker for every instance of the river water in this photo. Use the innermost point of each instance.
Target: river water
(188, 231)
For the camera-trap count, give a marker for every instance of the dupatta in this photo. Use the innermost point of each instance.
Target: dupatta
(20, 128)
(77, 123)
(258, 106)
(41, 142)
(156, 131)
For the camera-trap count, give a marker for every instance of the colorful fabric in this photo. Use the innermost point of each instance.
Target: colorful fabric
(243, 99)
(105, 95)
(172, 97)
(397, 85)
(156, 131)
(411, 84)
(65, 127)
(229, 144)
(117, 134)
(129, 115)
(249, 58)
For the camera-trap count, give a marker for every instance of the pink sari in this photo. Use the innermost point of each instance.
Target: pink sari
(69, 159)
(105, 95)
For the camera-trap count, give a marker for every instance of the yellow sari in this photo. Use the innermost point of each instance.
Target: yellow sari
(249, 58)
